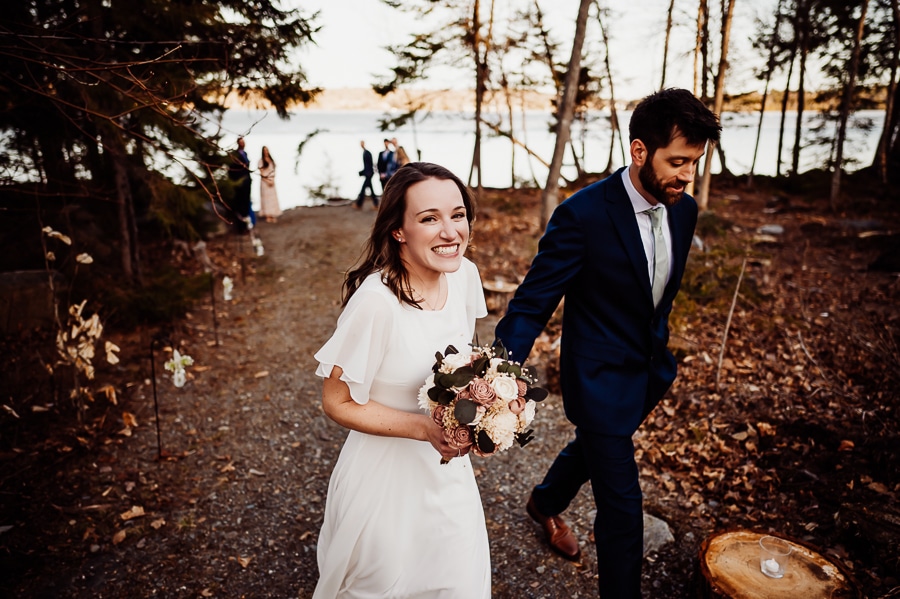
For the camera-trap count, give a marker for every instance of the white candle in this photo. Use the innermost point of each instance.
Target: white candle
(771, 566)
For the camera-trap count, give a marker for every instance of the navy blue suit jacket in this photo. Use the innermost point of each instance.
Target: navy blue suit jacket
(614, 363)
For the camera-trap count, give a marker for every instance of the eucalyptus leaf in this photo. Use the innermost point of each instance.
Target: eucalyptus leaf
(465, 411)
(445, 397)
(536, 394)
(525, 438)
(499, 349)
(484, 442)
(461, 377)
(480, 365)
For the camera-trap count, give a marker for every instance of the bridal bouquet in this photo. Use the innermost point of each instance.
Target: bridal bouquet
(482, 400)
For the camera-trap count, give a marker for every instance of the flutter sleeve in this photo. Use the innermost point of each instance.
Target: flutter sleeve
(475, 304)
(359, 343)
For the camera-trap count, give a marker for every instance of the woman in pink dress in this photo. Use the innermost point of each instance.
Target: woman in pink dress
(268, 196)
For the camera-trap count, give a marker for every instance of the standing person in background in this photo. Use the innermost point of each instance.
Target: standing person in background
(239, 173)
(617, 251)
(386, 164)
(368, 171)
(268, 195)
(400, 156)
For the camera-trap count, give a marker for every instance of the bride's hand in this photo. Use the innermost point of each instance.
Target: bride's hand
(437, 438)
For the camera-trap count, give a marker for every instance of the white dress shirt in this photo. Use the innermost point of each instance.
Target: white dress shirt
(641, 205)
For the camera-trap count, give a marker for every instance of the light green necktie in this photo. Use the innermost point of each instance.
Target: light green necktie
(660, 254)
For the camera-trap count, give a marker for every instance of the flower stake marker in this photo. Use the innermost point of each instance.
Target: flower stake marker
(179, 376)
(212, 297)
(482, 400)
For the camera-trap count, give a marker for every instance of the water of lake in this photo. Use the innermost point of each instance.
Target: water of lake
(332, 158)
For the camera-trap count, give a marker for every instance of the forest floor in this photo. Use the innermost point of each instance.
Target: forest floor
(789, 426)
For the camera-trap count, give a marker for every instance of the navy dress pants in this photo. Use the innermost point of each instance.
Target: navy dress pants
(608, 462)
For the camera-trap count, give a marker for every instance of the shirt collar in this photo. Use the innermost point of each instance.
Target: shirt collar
(638, 202)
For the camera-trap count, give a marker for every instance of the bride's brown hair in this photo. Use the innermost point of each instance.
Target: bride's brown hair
(382, 252)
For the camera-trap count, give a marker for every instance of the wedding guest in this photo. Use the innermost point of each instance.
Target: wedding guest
(268, 195)
(239, 173)
(400, 155)
(619, 267)
(367, 172)
(397, 522)
(386, 164)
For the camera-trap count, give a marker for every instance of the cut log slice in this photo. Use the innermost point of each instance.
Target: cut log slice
(730, 568)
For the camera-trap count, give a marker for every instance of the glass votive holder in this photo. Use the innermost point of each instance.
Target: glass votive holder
(773, 556)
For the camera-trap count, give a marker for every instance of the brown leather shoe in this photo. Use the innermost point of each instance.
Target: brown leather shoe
(560, 538)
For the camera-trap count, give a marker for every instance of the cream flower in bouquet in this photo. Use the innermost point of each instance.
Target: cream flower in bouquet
(483, 401)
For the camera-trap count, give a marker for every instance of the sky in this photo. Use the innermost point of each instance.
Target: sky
(350, 46)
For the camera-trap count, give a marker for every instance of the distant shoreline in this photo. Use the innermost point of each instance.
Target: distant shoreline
(338, 99)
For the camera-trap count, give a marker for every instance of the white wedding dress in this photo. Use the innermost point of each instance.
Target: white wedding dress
(398, 524)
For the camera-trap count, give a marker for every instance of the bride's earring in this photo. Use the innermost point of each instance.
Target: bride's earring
(398, 237)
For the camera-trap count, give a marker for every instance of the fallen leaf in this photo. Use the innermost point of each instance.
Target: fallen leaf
(135, 512)
(206, 593)
(244, 561)
(257, 472)
(129, 419)
(846, 445)
(158, 523)
(202, 368)
(119, 537)
(879, 488)
(229, 467)
(261, 374)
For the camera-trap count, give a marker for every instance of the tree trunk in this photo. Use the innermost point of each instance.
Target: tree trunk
(728, 13)
(662, 79)
(704, 52)
(784, 103)
(550, 195)
(803, 49)
(504, 82)
(762, 105)
(615, 129)
(846, 107)
(887, 131)
(700, 51)
(128, 253)
(481, 49)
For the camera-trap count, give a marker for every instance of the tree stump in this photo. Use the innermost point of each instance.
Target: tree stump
(729, 568)
(498, 294)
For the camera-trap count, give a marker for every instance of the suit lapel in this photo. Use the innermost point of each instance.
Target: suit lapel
(679, 251)
(621, 213)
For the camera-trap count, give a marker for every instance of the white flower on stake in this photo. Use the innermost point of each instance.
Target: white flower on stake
(177, 365)
(84, 259)
(227, 287)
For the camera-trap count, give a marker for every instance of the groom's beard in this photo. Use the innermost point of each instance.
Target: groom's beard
(667, 195)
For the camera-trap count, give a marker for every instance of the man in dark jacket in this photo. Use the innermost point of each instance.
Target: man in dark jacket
(617, 251)
(367, 172)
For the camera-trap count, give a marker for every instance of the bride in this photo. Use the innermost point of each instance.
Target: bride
(398, 523)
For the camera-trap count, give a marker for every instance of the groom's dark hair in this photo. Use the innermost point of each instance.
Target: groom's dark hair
(661, 116)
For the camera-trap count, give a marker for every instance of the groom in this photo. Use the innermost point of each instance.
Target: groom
(619, 272)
